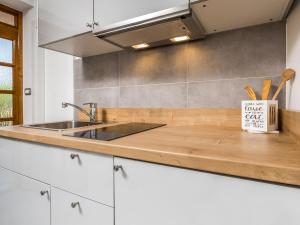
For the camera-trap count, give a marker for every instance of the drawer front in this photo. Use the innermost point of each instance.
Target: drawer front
(70, 209)
(21, 200)
(7, 152)
(86, 174)
(26, 158)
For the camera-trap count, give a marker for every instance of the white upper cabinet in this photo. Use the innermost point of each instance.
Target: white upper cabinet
(108, 12)
(220, 15)
(68, 25)
(60, 19)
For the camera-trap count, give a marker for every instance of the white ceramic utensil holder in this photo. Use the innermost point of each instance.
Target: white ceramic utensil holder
(260, 116)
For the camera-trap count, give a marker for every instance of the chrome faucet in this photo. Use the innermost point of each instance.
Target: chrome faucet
(92, 111)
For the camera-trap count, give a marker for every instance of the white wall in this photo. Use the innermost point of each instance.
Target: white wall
(293, 56)
(33, 60)
(33, 67)
(49, 74)
(58, 85)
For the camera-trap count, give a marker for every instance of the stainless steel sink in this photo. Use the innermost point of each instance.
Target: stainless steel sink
(63, 125)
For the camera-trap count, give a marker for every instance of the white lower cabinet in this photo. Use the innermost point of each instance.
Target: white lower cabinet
(149, 194)
(70, 209)
(23, 201)
(84, 190)
(8, 153)
(86, 174)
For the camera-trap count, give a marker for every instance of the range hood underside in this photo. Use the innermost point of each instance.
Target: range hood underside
(155, 31)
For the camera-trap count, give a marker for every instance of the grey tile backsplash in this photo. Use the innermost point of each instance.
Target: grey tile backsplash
(208, 73)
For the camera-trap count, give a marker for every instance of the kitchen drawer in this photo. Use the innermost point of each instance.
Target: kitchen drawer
(86, 174)
(7, 152)
(23, 201)
(26, 158)
(82, 212)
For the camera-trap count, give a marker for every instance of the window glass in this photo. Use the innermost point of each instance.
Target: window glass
(6, 105)
(6, 78)
(6, 51)
(7, 18)
(6, 123)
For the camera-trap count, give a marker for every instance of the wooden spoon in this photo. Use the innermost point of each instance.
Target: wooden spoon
(287, 74)
(250, 92)
(266, 89)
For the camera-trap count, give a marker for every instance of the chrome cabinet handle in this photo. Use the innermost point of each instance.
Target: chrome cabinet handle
(73, 156)
(118, 167)
(74, 204)
(43, 192)
(90, 25)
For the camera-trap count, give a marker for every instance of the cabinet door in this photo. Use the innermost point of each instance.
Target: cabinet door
(86, 174)
(150, 194)
(7, 153)
(108, 12)
(59, 19)
(21, 202)
(69, 209)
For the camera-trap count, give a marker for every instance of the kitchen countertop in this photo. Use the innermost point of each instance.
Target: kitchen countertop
(230, 151)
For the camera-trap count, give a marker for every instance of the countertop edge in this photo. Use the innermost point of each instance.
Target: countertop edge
(264, 173)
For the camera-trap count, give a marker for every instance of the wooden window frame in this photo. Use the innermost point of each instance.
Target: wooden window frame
(14, 33)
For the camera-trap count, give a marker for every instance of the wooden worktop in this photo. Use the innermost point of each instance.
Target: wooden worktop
(224, 150)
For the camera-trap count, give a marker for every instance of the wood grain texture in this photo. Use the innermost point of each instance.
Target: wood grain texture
(223, 150)
(266, 89)
(250, 92)
(288, 74)
(290, 123)
(209, 117)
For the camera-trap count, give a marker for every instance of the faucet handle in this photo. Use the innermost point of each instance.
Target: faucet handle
(91, 104)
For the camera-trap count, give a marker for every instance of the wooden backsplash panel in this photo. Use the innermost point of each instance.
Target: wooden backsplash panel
(290, 122)
(207, 117)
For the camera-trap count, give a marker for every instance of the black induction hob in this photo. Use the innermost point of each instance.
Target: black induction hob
(114, 132)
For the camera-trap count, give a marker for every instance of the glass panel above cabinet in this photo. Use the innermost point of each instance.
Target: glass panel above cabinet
(6, 105)
(6, 80)
(7, 18)
(6, 50)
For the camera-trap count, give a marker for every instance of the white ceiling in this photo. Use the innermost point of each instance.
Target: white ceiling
(222, 15)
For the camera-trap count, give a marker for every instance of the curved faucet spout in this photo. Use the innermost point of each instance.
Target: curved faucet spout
(91, 114)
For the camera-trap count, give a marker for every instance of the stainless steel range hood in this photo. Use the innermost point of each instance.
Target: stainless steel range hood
(154, 29)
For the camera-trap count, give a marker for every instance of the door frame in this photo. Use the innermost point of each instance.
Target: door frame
(15, 33)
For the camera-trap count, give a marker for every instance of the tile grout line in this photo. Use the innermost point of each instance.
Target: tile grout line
(175, 83)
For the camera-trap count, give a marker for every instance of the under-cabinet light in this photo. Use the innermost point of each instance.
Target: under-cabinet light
(140, 46)
(180, 38)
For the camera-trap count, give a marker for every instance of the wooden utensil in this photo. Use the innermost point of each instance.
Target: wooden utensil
(287, 74)
(266, 89)
(250, 92)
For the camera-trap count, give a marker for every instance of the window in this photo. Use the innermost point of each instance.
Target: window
(10, 67)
